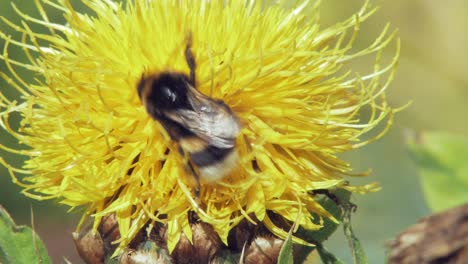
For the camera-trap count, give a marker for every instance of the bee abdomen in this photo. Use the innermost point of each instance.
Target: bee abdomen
(214, 163)
(209, 156)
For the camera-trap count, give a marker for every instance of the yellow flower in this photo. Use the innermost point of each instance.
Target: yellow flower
(91, 143)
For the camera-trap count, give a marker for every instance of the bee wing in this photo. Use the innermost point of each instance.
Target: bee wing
(211, 120)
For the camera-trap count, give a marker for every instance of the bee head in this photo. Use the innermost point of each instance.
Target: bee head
(165, 91)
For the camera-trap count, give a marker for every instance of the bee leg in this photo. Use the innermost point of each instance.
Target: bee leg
(190, 59)
(197, 179)
(191, 169)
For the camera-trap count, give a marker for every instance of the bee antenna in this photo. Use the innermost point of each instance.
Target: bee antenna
(190, 59)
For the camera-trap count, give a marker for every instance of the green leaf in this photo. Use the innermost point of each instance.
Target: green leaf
(329, 202)
(286, 252)
(342, 196)
(326, 256)
(19, 244)
(339, 205)
(442, 161)
(359, 255)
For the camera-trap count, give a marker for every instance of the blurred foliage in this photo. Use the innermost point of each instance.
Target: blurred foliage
(431, 74)
(53, 224)
(441, 159)
(19, 244)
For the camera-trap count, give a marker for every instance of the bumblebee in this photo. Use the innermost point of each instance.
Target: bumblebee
(204, 128)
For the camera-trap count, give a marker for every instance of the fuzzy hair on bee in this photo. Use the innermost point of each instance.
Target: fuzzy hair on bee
(205, 128)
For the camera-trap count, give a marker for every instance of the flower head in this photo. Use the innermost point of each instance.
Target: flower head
(91, 143)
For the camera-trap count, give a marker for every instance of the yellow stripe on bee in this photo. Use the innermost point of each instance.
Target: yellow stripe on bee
(192, 144)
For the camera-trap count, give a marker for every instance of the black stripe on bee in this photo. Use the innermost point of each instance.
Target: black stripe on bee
(209, 156)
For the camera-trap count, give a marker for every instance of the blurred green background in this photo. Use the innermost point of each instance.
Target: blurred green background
(432, 74)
